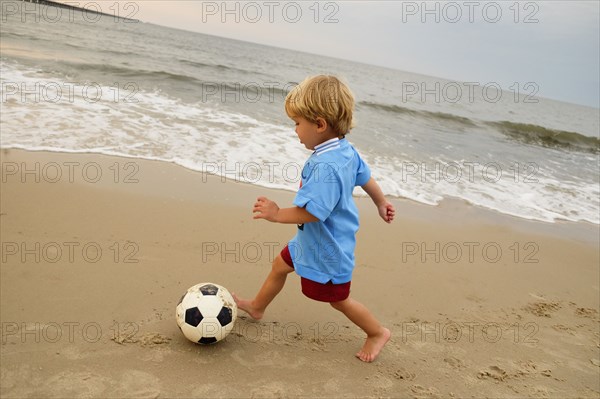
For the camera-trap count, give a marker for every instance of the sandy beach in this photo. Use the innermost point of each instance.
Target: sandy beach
(97, 250)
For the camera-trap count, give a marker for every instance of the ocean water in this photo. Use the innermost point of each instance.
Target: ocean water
(216, 105)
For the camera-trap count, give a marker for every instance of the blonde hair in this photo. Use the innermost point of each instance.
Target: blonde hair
(324, 97)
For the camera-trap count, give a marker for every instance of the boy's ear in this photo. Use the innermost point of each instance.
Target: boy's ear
(321, 125)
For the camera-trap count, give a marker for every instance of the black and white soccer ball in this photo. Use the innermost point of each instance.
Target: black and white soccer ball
(206, 313)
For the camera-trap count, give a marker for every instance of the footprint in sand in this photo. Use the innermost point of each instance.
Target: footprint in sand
(587, 312)
(148, 339)
(563, 328)
(542, 309)
(493, 372)
(525, 368)
(455, 363)
(403, 374)
(423, 393)
(399, 373)
(539, 392)
(154, 339)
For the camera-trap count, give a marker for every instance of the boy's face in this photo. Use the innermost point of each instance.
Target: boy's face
(308, 132)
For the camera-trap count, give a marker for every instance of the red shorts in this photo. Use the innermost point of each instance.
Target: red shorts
(327, 292)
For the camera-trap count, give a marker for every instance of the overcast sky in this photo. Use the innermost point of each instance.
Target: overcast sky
(554, 44)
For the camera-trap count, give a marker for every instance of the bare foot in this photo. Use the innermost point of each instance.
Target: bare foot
(373, 345)
(247, 307)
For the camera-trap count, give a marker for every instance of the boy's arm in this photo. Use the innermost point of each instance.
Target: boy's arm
(386, 209)
(266, 209)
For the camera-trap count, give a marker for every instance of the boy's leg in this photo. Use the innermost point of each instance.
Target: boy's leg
(270, 288)
(377, 335)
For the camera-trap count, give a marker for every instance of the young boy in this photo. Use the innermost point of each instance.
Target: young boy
(322, 252)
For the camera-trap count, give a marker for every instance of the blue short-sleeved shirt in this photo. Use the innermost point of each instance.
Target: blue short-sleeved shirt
(323, 251)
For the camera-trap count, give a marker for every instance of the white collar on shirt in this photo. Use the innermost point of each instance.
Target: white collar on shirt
(328, 145)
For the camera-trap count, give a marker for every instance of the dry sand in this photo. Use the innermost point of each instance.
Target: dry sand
(80, 323)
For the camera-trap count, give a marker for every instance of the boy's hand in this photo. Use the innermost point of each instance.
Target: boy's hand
(264, 208)
(384, 207)
(387, 212)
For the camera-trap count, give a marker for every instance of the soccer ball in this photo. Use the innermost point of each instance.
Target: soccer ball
(206, 313)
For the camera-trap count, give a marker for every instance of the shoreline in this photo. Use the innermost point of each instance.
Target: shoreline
(479, 305)
(578, 230)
